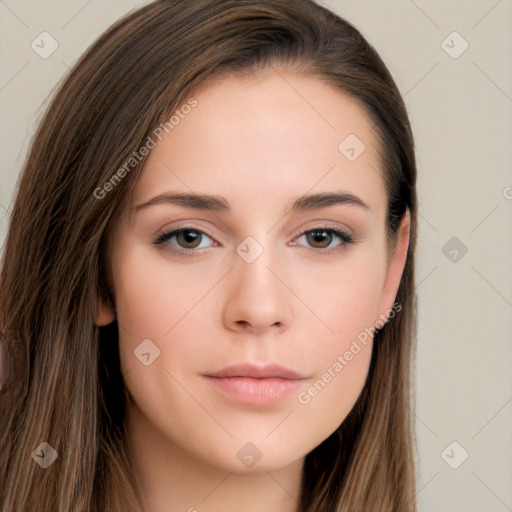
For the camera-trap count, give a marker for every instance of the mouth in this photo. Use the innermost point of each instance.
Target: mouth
(256, 384)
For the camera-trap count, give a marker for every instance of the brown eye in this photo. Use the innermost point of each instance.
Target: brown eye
(184, 240)
(188, 238)
(319, 238)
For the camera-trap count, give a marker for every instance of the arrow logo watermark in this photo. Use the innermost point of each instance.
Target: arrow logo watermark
(147, 352)
(249, 455)
(351, 147)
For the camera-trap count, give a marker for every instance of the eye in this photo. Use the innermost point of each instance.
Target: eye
(186, 240)
(321, 239)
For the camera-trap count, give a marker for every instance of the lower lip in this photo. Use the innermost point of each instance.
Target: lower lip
(265, 391)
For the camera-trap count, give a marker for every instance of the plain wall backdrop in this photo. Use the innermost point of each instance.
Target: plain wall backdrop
(452, 61)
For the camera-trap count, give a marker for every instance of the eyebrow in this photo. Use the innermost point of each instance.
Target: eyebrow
(218, 203)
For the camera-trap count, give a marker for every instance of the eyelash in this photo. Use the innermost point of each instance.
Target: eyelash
(346, 239)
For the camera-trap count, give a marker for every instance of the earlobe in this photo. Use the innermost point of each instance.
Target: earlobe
(104, 314)
(395, 269)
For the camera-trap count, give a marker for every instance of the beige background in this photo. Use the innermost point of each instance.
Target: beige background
(461, 110)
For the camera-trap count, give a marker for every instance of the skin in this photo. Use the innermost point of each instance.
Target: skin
(260, 144)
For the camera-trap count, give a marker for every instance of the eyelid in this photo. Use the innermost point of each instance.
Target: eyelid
(167, 232)
(327, 225)
(345, 236)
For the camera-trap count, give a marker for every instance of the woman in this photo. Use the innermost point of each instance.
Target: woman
(182, 336)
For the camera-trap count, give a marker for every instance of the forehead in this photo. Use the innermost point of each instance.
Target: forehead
(280, 135)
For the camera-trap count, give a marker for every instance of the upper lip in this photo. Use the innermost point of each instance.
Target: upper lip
(257, 371)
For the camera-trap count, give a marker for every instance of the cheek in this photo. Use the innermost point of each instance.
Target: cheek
(346, 300)
(154, 298)
(347, 304)
(324, 404)
(343, 296)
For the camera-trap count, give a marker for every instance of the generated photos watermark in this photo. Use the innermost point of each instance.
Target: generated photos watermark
(305, 397)
(143, 151)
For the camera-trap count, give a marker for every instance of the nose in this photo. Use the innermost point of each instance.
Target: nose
(258, 297)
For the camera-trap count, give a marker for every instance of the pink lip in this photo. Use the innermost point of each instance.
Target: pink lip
(257, 371)
(251, 383)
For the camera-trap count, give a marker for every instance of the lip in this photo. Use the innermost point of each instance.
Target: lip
(257, 371)
(256, 384)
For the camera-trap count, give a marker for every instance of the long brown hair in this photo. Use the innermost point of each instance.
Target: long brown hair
(68, 390)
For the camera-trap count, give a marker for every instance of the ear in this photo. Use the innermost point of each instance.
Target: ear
(105, 313)
(396, 265)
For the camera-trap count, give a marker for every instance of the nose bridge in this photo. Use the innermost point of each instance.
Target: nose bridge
(258, 298)
(255, 259)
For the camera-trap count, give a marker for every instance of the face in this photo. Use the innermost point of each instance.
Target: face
(245, 337)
